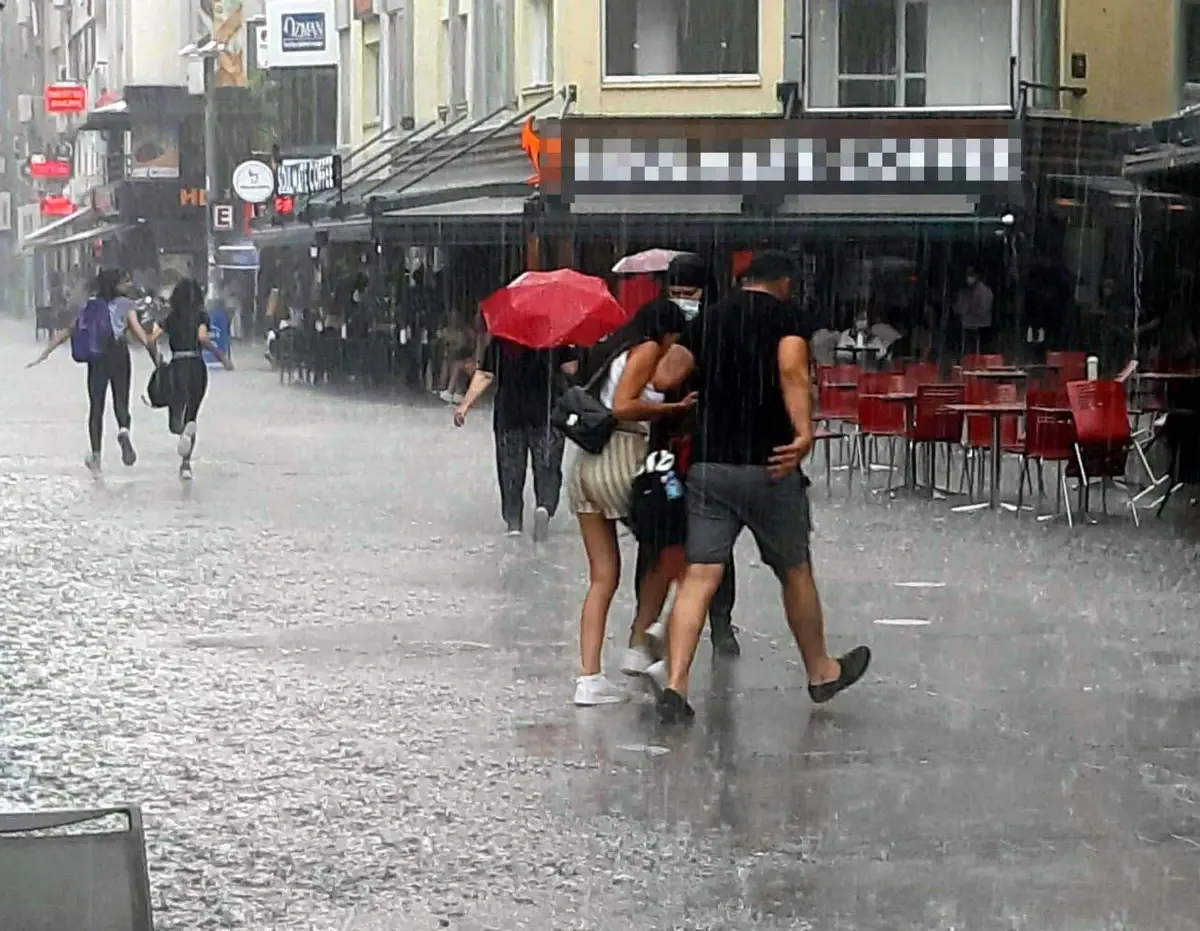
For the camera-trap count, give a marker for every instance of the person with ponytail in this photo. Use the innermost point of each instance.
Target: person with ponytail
(186, 329)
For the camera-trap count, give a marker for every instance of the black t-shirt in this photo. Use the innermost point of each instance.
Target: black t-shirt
(183, 330)
(528, 381)
(741, 416)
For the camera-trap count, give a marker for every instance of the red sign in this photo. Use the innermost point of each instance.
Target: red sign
(66, 98)
(55, 205)
(284, 205)
(42, 168)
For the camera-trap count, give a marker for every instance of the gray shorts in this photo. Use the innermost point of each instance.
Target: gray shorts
(722, 499)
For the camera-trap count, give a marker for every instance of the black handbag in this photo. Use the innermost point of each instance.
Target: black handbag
(581, 416)
(658, 508)
(159, 388)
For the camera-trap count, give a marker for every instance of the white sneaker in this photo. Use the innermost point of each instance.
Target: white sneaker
(446, 396)
(657, 674)
(597, 690)
(637, 660)
(187, 440)
(657, 631)
(541, 525)
(93, 463)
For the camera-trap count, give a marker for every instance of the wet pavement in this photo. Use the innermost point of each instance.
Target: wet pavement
(342, 696)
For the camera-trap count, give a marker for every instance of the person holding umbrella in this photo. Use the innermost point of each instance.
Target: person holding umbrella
(533, 325)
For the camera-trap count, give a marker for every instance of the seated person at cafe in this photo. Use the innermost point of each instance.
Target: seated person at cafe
(457, 345)
(876, 340)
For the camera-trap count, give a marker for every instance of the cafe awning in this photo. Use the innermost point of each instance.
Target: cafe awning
(104, 231)
(42, 238)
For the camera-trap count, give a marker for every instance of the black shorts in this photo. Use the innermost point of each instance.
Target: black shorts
(724, 499)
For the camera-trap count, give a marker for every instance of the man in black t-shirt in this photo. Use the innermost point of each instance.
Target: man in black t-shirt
(749, 357)
(526, 381)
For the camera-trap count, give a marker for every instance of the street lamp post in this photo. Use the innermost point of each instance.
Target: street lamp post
(208, 53)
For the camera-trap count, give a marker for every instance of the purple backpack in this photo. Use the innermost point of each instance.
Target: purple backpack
(92, 333)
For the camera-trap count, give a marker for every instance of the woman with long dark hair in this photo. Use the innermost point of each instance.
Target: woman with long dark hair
(601, 485)
(186, 328)
(111, 369)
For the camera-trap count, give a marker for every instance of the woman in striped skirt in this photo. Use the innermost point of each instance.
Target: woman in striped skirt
(601, 485)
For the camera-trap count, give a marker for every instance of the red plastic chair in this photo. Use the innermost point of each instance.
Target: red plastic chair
(978, 440)
(981, 361)
(1103, 436)
(879, 419)
(933, 424)
(835, 403)
(1070, 366)
(921, 373)
(1049, 437)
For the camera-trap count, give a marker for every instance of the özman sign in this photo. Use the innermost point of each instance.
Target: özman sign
(301, 34)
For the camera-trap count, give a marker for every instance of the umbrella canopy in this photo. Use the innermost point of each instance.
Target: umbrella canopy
(650, 262)
(547, 310)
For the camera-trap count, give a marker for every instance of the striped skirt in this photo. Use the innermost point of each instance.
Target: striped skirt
(603, 483)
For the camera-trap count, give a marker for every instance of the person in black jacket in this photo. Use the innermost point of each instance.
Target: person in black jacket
(688, 282)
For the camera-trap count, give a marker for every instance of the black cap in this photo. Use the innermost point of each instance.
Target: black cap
(687, 271)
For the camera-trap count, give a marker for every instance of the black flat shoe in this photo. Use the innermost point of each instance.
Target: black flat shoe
(724, 640)
(853, 665)
(673, 708)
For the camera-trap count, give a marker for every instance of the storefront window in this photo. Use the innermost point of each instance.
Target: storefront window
(680, 38)
(909, 53)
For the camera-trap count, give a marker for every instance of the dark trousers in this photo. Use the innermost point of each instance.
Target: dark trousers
(515, 446)
(720, 611)
(189, 382)
(112, 370)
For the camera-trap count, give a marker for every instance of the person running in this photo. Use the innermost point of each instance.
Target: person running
(186, 329)
(112, 370)
(749, 356)
(526, 382)
(601, 487)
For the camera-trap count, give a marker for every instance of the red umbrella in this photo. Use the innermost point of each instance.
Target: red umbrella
(546, 310)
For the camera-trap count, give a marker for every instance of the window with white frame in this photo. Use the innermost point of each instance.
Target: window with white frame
(873, 54)
(455, 25)
(400, 65)
(540, 34)
(1040, 49)
(492, 56)
(371, 84)
(1189, 51)
(680, 38)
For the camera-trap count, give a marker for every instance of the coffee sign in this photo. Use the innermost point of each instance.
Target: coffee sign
(306, 176)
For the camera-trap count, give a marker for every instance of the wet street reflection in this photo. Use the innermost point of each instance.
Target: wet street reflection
(343, 696)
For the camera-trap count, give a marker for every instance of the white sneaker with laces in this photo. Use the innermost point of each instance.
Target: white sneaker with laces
(657, 631)
(597, 690)
(637, 660)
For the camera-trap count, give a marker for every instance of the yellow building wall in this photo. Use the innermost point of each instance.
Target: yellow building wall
(579, 59)
(1131, 48)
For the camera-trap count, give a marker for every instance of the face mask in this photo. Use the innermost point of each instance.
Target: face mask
(690, 308)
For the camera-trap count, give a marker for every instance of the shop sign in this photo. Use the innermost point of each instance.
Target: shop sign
(56, 205)
(878, 156)
(43, 168)
(300, 34)
(253, 181)
(296, 176)
(193, 197)
(222, 217)
(65, 97)
(104, 201)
